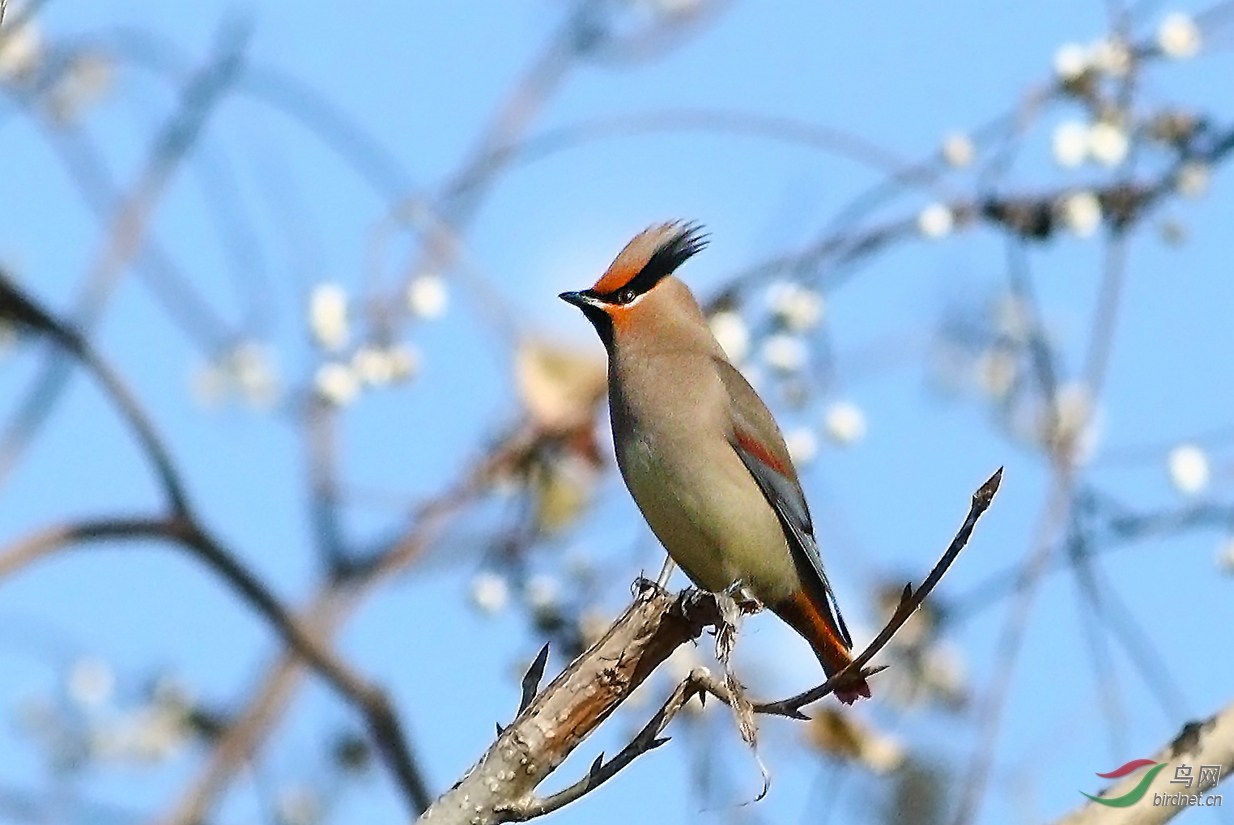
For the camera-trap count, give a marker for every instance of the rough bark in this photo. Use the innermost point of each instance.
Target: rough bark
(501, 786)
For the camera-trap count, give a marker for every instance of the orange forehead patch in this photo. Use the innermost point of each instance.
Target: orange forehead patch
(618, 275)
(634, 257)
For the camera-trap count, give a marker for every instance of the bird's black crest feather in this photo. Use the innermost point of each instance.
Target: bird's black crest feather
(685, 242)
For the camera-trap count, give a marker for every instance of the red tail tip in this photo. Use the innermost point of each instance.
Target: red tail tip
(851, 693)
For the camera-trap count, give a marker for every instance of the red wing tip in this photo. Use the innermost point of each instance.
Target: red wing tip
(751, 445)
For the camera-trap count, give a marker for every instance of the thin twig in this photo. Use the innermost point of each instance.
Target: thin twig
(909, 602)
(500, 788)
(699, 682)
(382, 721)
(573, 705)
(127, 231)
(724, 122)
(20, 307)
(36, 546)
(324, 614)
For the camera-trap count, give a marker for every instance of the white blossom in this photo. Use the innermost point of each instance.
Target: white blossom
(373, 365)
(883, 753)
(427, 296)
(784, 353)
(1081, 211)
(996, 372)
(91, 682)
(1070, 61)
(1108, 143)
(150, 733)
(160, 734)
(1188, 467)
(1111, 56)
(958, 150)
(1192, 179)
(1070, 143)
(253, 369)
(1075, 423)
(328, 316)
(404, 362)
(731, 331)
(799, 307)
(844, 422)
(936, 220)
(247, 369)
(336, 383)
(542, 591)
(1178, 36)
(21, 49)
(490, 592)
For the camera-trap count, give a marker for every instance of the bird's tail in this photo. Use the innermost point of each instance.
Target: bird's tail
(817, 625)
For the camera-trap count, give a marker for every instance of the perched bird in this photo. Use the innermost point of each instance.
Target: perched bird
(699, 450)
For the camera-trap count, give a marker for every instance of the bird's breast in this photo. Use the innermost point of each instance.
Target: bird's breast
(695, 493)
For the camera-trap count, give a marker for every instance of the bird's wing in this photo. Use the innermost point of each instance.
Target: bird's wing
(758, 442)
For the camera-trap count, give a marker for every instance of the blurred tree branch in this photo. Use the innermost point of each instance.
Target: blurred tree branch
(128, 226)
(1210, 742)
(1119, 199)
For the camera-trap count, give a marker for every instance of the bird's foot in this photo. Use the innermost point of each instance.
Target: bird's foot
(743, 597)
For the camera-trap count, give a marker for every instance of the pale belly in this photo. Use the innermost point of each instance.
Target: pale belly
(710, 515)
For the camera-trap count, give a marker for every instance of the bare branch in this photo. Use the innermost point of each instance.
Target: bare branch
(128, 229)
(1210, 742)
(909, 602)
(500, 788)
(324, 613)
(41, 543)
(700, 681)
(719, 121)
(383, 723)
(20, 307)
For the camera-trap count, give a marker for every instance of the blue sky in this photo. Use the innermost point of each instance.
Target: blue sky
(423, 83)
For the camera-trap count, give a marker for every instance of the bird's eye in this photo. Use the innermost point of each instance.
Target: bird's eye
(626, 295)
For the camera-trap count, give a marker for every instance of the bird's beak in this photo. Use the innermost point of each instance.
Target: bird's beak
(579, 299)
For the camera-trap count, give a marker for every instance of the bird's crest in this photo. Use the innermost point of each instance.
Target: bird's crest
(653, 255)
